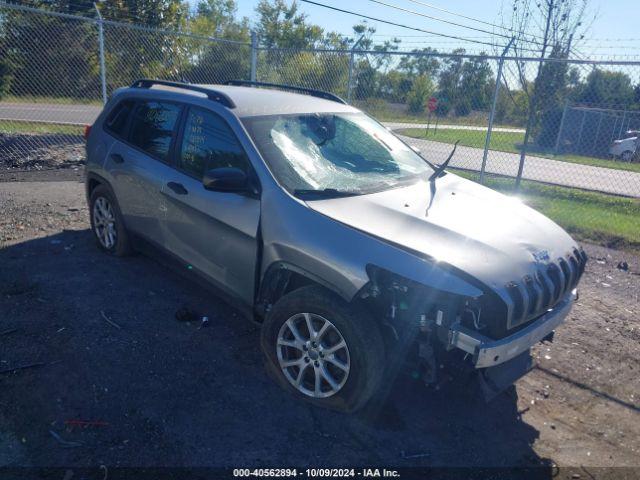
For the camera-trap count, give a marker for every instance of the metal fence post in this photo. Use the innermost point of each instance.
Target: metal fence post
(254, 55)
(559, 136)
(492, 114)
(103, 72)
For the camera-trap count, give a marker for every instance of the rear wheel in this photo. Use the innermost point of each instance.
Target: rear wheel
(627, 156)
(323, 350)
(106, 222)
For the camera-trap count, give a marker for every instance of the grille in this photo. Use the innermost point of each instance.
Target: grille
(534, 294)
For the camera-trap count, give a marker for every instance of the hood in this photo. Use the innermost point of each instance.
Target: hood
(495, 238)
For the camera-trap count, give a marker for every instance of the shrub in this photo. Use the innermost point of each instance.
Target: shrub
(419, 94)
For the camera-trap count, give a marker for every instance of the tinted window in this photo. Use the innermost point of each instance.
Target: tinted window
(209, 143)
(152, 127)
(117, 119)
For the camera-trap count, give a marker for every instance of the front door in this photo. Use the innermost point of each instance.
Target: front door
(214, 232)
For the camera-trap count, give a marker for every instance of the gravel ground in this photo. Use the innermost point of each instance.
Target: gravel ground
(34, 157)
(108, 350)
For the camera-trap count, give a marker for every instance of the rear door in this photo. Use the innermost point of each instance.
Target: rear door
(214, 232)
(140, 163)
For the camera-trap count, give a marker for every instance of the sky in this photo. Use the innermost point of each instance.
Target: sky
(617, 22)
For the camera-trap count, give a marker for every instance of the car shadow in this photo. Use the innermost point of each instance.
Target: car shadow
(124, 381)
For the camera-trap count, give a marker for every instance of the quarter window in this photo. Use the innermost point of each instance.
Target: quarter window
(153, 126)
(119, 117)
(209, 143)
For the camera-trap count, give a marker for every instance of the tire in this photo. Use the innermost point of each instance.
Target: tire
(626, 156)
(103, 208)
(363, 354)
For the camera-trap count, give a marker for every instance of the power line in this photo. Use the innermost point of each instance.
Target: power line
(428, 5)
(396, 24)
(413, 12)
(485, 37)
(491, 44)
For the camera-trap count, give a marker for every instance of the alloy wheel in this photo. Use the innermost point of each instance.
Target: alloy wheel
(104, 223)
(313, 355)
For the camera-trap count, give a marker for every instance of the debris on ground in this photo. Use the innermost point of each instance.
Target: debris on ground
(22, 367)
(185, 314)
(109, 321)
(86, 423)
(414, 455)
(624, 266)
(63, 442)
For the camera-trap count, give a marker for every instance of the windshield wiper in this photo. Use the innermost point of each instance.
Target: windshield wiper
(440, 168)
(322, 193)
(438, 171)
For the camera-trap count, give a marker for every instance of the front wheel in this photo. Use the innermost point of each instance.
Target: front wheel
(627, 156)
(323, 350)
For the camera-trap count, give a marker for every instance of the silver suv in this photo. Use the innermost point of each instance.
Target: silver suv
(360, 258)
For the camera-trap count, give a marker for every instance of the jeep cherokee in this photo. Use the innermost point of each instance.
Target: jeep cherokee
(357, 255)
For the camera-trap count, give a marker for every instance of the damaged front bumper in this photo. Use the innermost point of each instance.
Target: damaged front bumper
(488, 352)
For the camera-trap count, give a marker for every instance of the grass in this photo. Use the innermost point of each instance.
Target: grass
(510, 142)
(12, 126)
(606, 219)
(391, 116)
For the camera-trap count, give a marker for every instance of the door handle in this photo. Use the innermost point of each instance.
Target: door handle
(117, 158)
(177, 188)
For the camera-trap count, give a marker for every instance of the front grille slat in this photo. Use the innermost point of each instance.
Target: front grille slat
(566, 275)
(534, 294)
(548, 288)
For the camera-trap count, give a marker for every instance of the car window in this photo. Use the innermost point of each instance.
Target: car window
(208, 143)
(348, 152)
(118, 118)
(152, 127)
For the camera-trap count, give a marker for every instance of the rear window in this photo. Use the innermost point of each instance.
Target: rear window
(117, 120)
(152, 127)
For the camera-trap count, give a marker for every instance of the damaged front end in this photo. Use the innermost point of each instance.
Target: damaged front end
(434, 333)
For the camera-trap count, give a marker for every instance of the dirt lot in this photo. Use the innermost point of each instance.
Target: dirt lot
(108, 351)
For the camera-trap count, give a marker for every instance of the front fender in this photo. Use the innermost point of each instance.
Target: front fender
(337, 255)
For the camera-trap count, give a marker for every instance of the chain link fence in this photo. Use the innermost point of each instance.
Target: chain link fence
(555, 129)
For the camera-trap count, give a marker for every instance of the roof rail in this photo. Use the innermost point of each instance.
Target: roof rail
(215, 95)
(308, 91)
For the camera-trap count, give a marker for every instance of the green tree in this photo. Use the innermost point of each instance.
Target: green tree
(421, 64)
(168, 14)
(419, 94)
(476, 84)
(49, 56)
(605, 88)
(283, 26)
(212, 61)
(5, 67)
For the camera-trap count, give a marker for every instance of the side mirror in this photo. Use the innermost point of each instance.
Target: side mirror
(225, 179)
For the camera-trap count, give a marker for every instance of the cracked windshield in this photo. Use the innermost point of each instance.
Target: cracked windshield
(349, 153)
